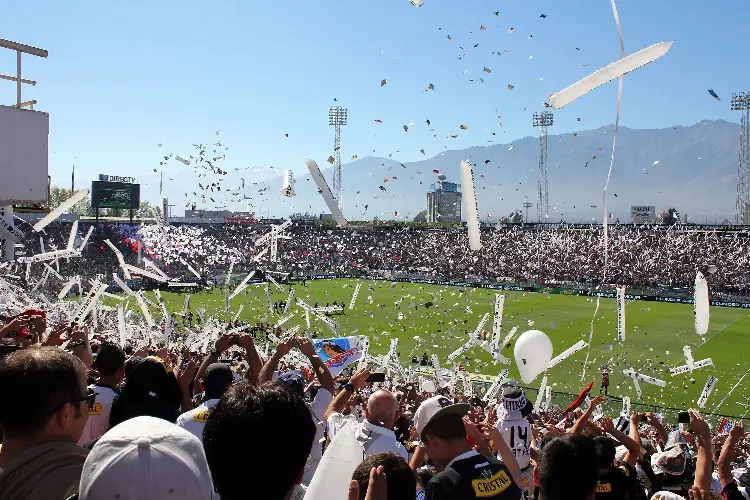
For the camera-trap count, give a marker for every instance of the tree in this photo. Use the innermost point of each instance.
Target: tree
(147, 211)
(516, 217)
(670, 217)
(58, 195)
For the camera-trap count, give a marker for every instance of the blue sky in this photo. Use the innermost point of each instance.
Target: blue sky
(122, 78)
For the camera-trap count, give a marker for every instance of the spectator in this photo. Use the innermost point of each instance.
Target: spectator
(216, 381)
(44, 404)
(110, 363)
(146, 457)
(148, 391)
(296, 382)
(402, 483)
(462, 472)
(568, 468)
(258, 439)
(375, 433)
(516, 430)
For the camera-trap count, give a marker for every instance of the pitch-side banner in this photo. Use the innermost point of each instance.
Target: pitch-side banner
(339, 352)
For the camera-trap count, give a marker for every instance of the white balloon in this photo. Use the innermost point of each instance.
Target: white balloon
(533, 352)
(287, 189)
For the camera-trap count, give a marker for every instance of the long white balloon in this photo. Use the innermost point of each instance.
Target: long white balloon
(53, 215)
(326, 192)
(700, 307)
(609, 73)
(472, 213)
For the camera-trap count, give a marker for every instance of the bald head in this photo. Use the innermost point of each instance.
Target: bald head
(381, 409)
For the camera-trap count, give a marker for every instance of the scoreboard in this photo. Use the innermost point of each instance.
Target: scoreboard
(121, 195)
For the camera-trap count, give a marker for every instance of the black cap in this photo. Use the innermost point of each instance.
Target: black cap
(217, 380)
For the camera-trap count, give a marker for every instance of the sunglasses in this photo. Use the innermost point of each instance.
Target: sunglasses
(90, 399)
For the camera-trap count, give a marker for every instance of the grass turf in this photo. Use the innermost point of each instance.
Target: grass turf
(656, 334)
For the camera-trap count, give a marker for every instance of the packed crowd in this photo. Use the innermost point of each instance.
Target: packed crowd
(656, 257)
(84, 417)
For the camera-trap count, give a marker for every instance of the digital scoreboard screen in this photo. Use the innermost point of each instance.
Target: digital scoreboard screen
(115, 195)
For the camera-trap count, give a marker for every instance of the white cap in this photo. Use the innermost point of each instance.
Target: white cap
(435, 407)
(146, 458)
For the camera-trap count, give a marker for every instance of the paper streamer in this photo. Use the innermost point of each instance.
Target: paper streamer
(8, 230)
(67, 286)
(153, 267)
(638, 391)
(472, 212)
(645, 378)
(284, 320)
(497, 324)
(363, 359)
(185, 305)
(289, 301)
(179, 158)
(64, 206)
(161, 304)
(267, 291)
(354, 295)
(700, 307)
(120, 259)
(608, 73)
(547, 397)
(492, 390)
(541, 393)
(88, 303)
(121, 325)
(53, 272)
(241, 286)
(86, 238)
(707, 389)
(144, 272)
(566, 353)
(325, 191)
(626, 406)
(237, 315)
(55, 254)
(73, 234)
(340, 460)
(621, 314)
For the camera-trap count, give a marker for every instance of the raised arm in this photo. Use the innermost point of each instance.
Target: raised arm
(321, 369)
(704, 464)
(581, 422)
(253, 358)
(266, 373)
(356, 383)
(221, 345)
(727, 454)
(633, 446)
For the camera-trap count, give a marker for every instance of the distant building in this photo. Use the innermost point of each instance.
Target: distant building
(444, 201)
(421, 217)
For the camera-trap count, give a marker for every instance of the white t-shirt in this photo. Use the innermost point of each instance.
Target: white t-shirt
(318, 409)
(195, 420)
(373, 438)
(98, 422)
(517, 435)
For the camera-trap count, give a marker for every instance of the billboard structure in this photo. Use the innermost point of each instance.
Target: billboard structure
(643, 214)
(24, 162)
(117, 195)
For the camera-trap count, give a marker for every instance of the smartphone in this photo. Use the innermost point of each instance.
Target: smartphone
(376, 377)
(644, 418)
(683, 417)
(235, 340)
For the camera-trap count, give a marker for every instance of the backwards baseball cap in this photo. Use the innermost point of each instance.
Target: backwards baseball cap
(436, 407)
(294, 380)
(217, 380)
(146, 458)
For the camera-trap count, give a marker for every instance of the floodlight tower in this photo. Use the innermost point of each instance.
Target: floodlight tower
(542, 120)
(741, 102)
(337, 118)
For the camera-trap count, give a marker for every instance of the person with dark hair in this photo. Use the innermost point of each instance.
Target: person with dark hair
(271, 429)
(110, 363)
(216, 381)
(462, 472)
(402, 482)
(149, 390)
(44, 405)
(568, 468)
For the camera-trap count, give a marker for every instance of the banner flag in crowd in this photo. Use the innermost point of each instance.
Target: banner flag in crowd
(338, 353)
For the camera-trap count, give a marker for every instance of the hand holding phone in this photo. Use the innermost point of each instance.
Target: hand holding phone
(376, 377)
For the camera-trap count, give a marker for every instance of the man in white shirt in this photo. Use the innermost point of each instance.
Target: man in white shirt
(216, 381)
(516, 430)
(110, 363)
(375, 433)
(296, 383)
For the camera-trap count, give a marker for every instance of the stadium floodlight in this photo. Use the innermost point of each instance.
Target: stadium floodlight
(337, 115)
(20, 48)
(741, 102)
(543, 119)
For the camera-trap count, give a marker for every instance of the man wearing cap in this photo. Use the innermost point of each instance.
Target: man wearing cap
(462, 472)
(516, 430)
(146, 457)
(216, 381)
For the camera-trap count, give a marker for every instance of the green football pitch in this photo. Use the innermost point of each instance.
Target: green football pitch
(655, 334)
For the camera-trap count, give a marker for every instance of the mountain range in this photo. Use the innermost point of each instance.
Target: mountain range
(693, 169)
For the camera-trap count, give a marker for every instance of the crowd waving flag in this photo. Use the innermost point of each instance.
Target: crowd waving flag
(338, 353)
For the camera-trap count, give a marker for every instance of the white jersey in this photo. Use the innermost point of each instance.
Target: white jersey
(373, 438)
(98, 422)
(517, 435)
(318, 409)
(195, 420)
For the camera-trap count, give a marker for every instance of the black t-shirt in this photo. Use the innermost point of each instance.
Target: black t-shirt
(620, 483)
(474, 477)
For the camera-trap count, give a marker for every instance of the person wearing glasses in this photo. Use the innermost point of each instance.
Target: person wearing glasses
(44, 406)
